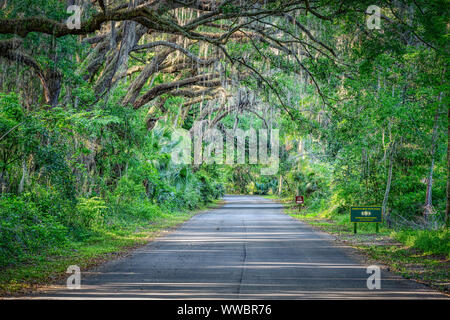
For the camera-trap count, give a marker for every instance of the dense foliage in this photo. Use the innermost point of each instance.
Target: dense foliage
(68, 174)
(87, 115)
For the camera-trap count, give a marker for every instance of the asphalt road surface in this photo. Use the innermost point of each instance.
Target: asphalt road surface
(247, 249)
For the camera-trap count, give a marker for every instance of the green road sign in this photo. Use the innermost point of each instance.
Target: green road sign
(366, 214)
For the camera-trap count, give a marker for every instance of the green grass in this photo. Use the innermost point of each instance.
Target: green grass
(50, 266)
(428, 241)
(430, 269)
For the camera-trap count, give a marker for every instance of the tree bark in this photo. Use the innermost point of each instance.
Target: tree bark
(138, 83)
(428, 200)
(52, 87)
(166, 87)
(24, 176)
(280, 184)
(118, 58)
(448, 169)
(388, 188)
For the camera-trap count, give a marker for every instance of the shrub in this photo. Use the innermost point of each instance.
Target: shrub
(88, 213)
(429, 241)
(24, 229)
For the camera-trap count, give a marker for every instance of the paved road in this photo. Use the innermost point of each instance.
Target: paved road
(247, 249)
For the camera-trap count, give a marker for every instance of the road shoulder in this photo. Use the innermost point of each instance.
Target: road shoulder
(382, 250)
(49, 274)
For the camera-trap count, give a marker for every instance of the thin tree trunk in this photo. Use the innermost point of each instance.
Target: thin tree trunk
(388, 188)
(24, 176)
(3, 182)
(428, 199)
(448, 169)
(280, 184)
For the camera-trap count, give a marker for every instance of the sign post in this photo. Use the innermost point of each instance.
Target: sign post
(366, 214)
(299, 200)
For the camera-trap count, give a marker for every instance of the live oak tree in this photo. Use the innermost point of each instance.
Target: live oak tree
(369, 103)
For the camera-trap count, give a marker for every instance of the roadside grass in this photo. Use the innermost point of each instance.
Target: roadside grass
(420, 255)
(49, 267)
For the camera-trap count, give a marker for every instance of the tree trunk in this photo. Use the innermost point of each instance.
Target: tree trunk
(117, 58)
(52, 87)
(136, 86)
(448, 169)
(280, 185)
(428, 199)
(388, 188)
(24, 176)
